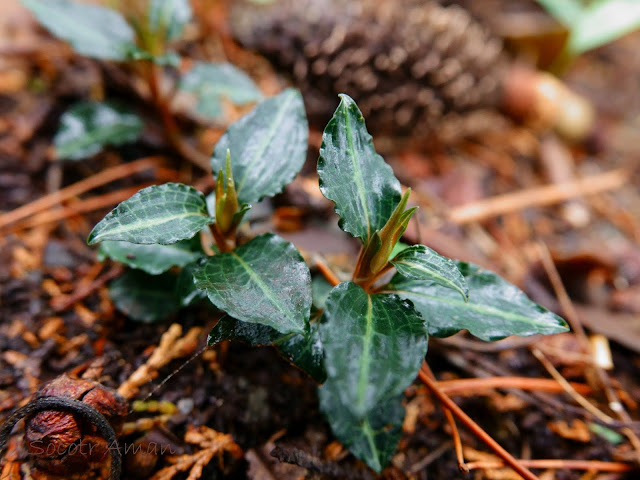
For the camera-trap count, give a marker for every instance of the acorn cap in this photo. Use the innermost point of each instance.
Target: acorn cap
(61, 443)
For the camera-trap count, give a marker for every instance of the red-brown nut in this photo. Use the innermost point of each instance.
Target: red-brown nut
(62, 443)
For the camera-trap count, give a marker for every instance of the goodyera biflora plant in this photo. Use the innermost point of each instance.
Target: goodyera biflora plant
(139, 36)
(364, 345)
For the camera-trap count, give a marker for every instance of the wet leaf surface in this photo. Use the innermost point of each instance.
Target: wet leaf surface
(153, 259)
(268, 147)
(163, 214)
(91, 30)
(422, 263)
(264, 281)
(87, 127)
(353, 175)
(373, 345)
(169, 17)
(213, 82)
(496, 309)
(143, 297)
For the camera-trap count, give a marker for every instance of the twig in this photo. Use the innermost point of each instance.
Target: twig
(537, 197)
(97, 180)
(609, 207)
(88, 205)
(457, 442)
(455, 387)
(61, 304)
(327, 273)
(509, 343)
(586, 404)
(559, 464)
(430, 458)
(574, 319)
(475, 428)
(169, 123)
(563, 297)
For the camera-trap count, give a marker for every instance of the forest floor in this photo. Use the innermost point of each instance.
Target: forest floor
(578, 255)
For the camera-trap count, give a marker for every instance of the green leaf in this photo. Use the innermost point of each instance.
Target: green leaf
(320, 290)
(211, 82)
(496, 308)
(169, 59)
(268, 146)
(168, 17)
(264, 281)
(304, 350)
(153, 259)
(608, 434)
(399, 247)
(91, 30)
(353, 175)
(602, 22)
(421, 263)
(565, 11)
(374, 345)
(392, 231)
(186, 291)
(88, 126)
(372, 438)
(143, 297)
(163, 214)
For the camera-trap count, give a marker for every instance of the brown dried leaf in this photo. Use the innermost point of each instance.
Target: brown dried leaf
(211, 443)
(577, 431)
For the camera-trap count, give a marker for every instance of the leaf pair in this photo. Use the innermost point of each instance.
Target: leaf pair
(374, 343)
(264, 281)
(103, 33)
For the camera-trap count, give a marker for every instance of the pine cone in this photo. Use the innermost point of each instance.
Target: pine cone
(412, 66)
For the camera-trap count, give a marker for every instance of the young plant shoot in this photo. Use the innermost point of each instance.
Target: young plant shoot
(140, 36)
(367, 342)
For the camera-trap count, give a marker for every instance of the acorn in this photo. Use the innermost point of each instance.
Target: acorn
(415, 68)
(62, 442)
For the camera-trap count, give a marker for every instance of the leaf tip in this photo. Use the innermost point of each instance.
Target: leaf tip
(93, 237)
(465, 294)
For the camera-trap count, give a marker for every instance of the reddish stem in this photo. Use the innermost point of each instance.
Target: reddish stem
(169, 123)
(475, 428)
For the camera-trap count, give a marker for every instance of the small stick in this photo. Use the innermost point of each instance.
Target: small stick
(457, 442)
(574, 319)
(456, 387)
(298, 457)
(537, 197)
(327, 273)
(89, 205)
(169, 123)
(510, 343)
(97, 180)
(559, 464)
(61, 304)
(476, 429)
(563, 296)
(583, 402)
(430, 458)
